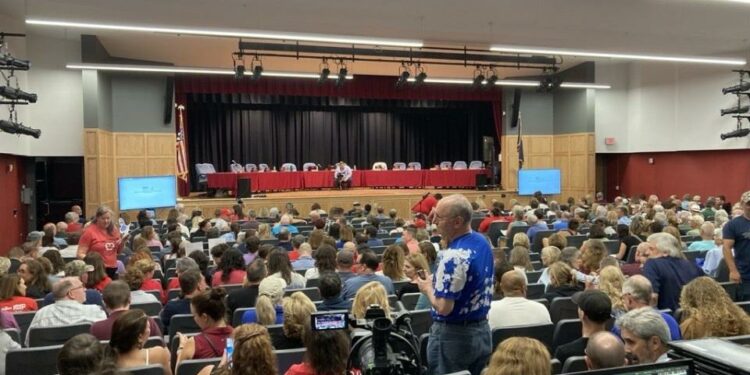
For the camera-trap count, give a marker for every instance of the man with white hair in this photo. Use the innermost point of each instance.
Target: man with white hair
(535, 224)
(284, 222)
(737, 236)
(636, 293)
(71, 218)
(707, 238)
(667, 270)
(645, 335)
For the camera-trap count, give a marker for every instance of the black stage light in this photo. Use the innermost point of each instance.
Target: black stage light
(739, 133)
(15, 128)
(403, 78)
(737, 109)
(492, 79)
(239, 71)
(342, 76)
(419, 79)
(324, 73)
(743, 86)
(257, 72)
(478, 79)
(9, 62)
(17, 94)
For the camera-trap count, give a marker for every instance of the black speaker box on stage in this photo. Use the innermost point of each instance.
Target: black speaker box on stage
(481, 181)
(243, 188)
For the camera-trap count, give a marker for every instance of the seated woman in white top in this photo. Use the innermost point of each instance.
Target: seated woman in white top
(325, 261)
(129, 332)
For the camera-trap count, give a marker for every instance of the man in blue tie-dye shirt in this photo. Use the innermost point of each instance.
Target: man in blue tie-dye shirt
(460, 292)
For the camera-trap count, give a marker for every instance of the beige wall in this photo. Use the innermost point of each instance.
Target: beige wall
(109, 155)
(573, 154)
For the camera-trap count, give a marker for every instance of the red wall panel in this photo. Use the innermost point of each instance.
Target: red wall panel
(13, 213)
(707, 173)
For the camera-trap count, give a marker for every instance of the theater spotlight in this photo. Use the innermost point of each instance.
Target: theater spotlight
(478, 77)
(737, 109)
(16, 94)
(549, 83)
(16, 128)
(9, 62)
(739, 133)
(343, 71)
(743, 86)
(403, 75)
(239, 71)
(421, 76)
(257, 72)
(492, 78)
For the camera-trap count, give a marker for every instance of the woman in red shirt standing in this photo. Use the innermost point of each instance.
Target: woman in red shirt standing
(13, 295)
(102, 237)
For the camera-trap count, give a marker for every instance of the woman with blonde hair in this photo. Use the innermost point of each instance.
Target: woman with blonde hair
(372, 293)
(521, 239)
(253, 354)
(610, 282)
(297, 310)
(520, 259)
(707, 311)
(549, 256)
(268, 306)
(562, 281)
(393, 264)
(264, 232)
(520, 355)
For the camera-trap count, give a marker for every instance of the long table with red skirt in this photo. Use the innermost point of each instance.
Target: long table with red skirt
(279, 181)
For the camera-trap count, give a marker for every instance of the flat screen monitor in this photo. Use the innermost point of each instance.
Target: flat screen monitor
(532, 180)
(136, 193)
(673, 367)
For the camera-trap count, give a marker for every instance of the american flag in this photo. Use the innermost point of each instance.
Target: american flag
(519, 144)
(182, 169)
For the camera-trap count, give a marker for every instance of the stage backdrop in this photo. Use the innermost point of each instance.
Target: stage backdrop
(277, 121)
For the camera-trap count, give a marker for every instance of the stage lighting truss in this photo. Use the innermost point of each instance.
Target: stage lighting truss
(10, 94)
(325, 71)
(256, 66)
(739, 110)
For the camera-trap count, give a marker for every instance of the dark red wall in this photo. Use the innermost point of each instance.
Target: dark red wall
(707, 173)
(13, 213)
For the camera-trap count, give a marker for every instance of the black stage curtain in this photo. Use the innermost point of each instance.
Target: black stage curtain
(323, 130)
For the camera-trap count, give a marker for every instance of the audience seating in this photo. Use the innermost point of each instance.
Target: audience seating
(312, 293)
(562, 308)
(421, 321)
(173, 293)
(731, 288)
(631, 254)
(40, 360)
(183, 323)
(577, 241)
(288, 357)
(537, 245)
(543, 301)
(513, 231)
(744, 305)
(574, 364)
(231, 287)
(722, 273)
(464, 372)
(542, 332)
(194, 366)
(537, 265)
(24, 321)
(147, 370)
(312, 283)
(476, 164)
(556, 366)
(459, 165)
(534, 291)
(174, 343)
(151, 308)
(15, 334)
(397, 285)
(533, 277)
(46, 336)
(495, 231)
(566, 330)
(237, 316)
(409, 300)
(613, 246)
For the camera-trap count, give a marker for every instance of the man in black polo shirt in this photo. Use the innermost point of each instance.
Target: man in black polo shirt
(594, 310)
(248, 294)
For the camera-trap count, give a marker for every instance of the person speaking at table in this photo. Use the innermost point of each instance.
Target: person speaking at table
(342, 176)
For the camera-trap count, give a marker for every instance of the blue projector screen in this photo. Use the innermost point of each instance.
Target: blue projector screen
(532, 180)
(137, 193)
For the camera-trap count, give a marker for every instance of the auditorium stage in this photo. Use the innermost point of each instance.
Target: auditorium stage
(400, 199)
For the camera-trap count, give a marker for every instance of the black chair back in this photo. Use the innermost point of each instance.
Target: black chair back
(151, 308)
(612, 246)
(534, 291)
(731, 288)
(288, 357)
(147, 370)
(533, 276)
(40, 360)
(183, 323)
(47, 336)
(421, 321)
(556, 366)
(542, 332)
(562, 308)
(744, 305)
(312, 283)
(312, 293)
(576, 241)
(15, 334)
(194, 366)
(409, 300)
(475, 221)
(566, 331)
(574, 364)
(722, 273)
(24, 321)
(537, 244)
(237, 315)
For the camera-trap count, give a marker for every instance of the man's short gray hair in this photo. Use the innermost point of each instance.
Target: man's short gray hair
(184, 264)
(665, 244)
(61, 288)
(71, 217)
(531, 217)
(645, 323)
(639, 287)
(459, 206)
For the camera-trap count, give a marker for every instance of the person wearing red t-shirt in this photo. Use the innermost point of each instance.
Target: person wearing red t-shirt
(327, 353)
(13, 295)
(209, 313)
(231, 269)
(495, 215)
(147, 266)
(103, 238)
(97, 278)
(427, 203)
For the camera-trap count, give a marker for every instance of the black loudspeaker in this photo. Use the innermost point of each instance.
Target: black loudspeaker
(169, 100)
(243, 188)
(516, 108)
(488, 150)
(480, 181)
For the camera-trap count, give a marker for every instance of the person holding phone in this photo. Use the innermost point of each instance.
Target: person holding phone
(460, 293)
(102, 237)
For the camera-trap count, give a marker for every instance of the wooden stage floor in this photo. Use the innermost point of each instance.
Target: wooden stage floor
(400, 199)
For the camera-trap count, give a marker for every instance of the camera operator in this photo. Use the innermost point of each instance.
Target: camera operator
(460, 293)
(342, 176)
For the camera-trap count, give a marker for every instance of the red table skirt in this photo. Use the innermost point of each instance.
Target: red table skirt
(276, 181)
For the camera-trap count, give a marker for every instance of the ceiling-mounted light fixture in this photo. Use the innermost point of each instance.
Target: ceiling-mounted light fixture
(343, 71)
(492, 78)
(239, 67)
(252, 34)
(624, 56)
(257, 68)
(420, 76)
(325, 71)
(403, 75)
(478, 77)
